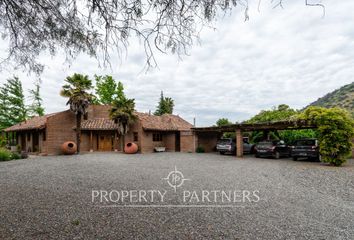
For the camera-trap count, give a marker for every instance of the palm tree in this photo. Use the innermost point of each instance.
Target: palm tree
(122, 113)
(79, 99)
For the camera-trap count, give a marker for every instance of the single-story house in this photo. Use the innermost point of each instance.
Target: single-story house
(47, 133)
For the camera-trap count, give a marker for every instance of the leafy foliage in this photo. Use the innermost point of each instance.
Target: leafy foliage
(3, 141)
(342, 97)
(122, 111)
(200, 149)
(107, 89)
(16, 155)
(79, 99)
(96, 27)
(76, 90)
(165, 106)
(12, 103)
(223, 122)
(5, 155)
(281, 113)
(336, 131)
(35, 109)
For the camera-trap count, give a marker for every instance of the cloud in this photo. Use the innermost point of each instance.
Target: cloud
(290, 55)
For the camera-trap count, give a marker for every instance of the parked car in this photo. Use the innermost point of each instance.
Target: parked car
(276, 149)
(305, 148)
(228, 145)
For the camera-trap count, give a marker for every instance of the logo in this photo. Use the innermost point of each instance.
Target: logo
(175, 179)
(201, 198)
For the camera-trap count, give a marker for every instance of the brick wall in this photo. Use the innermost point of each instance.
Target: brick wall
(59, 130)
(188, 141)
(98, 111)
(129, 137)
(147, 144)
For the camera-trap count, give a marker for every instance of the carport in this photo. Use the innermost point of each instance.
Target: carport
(211, 134)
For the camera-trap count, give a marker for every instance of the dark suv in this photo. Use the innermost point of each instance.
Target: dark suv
(276, 149)
(305, 148)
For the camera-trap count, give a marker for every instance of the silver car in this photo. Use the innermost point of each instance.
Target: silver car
(228, 145)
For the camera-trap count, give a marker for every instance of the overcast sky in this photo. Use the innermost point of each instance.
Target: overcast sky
(290, 55)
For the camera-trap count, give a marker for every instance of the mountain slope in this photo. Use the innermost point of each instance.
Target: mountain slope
(342, 97)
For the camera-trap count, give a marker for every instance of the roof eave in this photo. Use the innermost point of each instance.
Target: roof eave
(24, 129)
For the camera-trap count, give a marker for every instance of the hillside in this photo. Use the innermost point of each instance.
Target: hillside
(342, 97)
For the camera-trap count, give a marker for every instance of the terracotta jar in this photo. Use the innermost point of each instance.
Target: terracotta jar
(69, 148)
(130, 148)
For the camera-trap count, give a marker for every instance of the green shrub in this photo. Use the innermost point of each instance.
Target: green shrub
(24, 154)
(336, 131)
(3, 141)
(5, 155)
(15, 155)
(200, 149)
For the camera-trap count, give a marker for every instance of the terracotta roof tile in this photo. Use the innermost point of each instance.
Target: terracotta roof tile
(33, 123)
(98, 124)
(166, 122)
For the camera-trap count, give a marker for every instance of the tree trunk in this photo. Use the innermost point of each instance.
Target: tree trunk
(122, 143)
(78, 131)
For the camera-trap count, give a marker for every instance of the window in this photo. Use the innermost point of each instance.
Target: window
(157, 137)
(135, 136)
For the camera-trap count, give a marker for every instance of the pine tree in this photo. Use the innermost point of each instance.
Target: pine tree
(165, 105)
(4, 109)
(36, 109)
(12, 103)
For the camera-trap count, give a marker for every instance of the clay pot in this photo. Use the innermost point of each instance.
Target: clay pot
(69, 148)
(130, 148)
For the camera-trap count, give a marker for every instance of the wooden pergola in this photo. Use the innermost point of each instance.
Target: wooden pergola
(246, 127)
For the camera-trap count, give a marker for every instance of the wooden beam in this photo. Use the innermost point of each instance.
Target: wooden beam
(91, 142)
(239, 143)
(281, 125)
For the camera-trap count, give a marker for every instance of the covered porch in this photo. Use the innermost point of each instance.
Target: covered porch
(100, 134)
(31, 140)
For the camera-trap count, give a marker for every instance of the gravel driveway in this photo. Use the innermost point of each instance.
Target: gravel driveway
(51, 198)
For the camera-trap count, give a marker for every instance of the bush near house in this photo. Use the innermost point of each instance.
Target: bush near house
(2, 141)
(200, 149)
(5, 155)
(15, 155)
(336, 131)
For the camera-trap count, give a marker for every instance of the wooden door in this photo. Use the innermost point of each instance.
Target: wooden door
(104, 142)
